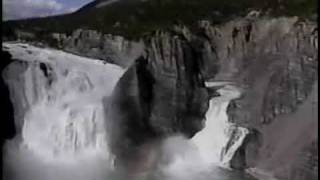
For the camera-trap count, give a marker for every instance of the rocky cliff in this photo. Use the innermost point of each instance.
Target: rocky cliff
(274, 60)
(112, 49)
(162, 94)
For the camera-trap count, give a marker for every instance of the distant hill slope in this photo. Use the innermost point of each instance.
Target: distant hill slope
(96, 4)
(132, 18)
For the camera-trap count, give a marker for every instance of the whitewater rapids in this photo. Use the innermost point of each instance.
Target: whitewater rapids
(57, 99)
(211, 148)
(213, 139)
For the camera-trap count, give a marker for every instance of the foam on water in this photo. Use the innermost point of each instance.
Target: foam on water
(212, 142)
(212, 147)
(62, 116)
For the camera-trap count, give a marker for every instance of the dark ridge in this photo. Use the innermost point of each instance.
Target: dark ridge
(134, 18)
(248, 34)
(8, 130)
(235, 32)
(145, 84)
(7, 116)
(44, 69)
(90, 6)
(250, 146)
(145, 96)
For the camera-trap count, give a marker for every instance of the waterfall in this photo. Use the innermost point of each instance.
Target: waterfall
(62, 117)
(59, 113)
(219, 140)
(210, 148)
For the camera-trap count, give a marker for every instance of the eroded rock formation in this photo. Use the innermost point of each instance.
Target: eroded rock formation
(162, 94)
(274, 60)
(89, 43)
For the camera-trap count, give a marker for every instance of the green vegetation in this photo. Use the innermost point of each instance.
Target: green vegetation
(133, 18)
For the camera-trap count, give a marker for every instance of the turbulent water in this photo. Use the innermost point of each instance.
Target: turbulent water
(58, 109)
(212, 141)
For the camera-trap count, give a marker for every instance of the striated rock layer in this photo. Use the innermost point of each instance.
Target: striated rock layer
(162, 94)
(274, 60)
(89, 43)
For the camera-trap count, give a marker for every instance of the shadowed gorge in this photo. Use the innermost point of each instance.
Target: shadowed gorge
(135, 18)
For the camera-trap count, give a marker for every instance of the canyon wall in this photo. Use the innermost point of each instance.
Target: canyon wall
(161, 95)
(274, 61)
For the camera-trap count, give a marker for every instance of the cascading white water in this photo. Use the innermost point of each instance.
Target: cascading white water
(58, 106)
(214, 146)
(63, 110)
(213, 139)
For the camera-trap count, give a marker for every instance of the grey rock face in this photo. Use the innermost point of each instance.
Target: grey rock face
(274, 60)
(162, 94)
(180, 99)
(279, 56)
(90, 43)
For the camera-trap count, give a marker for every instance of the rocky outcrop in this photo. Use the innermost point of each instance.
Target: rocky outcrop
(7, 116)
(274, 53)
(8, 129)
(162, 94)
(90, 43)
(179, 93)
(273, 60)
